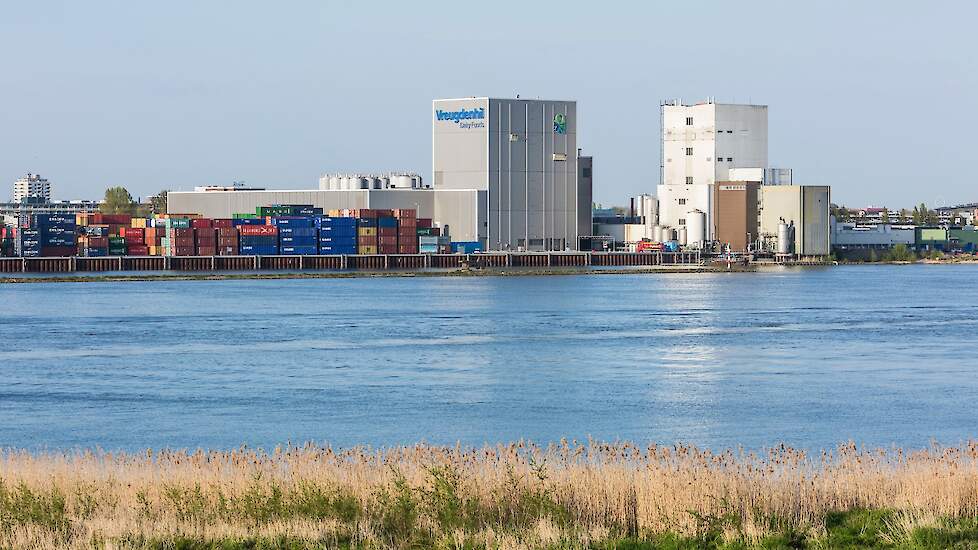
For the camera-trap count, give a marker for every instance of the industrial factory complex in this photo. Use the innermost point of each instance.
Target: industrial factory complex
(507, 176)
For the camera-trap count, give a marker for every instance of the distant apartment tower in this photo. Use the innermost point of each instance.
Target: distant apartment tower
(700, 146)
(32, 186)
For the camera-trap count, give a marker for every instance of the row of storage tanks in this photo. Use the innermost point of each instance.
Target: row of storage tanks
(693, 234)
(272, 230)
(353, 182)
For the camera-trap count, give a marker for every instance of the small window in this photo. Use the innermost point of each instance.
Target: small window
(682, 202)
(682, 221)
(689, 180)
(729, 159)
(729, 131)
(689, 121)
(689, 151)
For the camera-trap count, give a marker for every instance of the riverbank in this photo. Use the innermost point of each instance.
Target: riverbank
(569, 495)
(475, 272)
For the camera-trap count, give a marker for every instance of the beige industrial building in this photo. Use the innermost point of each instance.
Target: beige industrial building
(806, 207)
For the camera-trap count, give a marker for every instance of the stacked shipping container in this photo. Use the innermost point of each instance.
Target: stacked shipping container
(271, 230)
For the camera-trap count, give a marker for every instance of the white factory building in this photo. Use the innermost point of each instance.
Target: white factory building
(701, 145)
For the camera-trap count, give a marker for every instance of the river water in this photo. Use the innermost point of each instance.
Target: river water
(882, 355)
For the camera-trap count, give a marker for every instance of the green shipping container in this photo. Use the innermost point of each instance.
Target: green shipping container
(425, 231)
(117, 241)
(178, 223)
(243, 216)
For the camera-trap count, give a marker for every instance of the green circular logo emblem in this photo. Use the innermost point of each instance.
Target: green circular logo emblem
(560, 123)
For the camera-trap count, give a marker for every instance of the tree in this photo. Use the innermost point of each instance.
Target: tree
(904, 215)
(885, 216)
(117, 201)
(159, 202)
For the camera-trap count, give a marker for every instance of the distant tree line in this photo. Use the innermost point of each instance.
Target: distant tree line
(118, 200)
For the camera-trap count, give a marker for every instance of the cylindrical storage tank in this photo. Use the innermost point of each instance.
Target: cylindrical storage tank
(656, 232)
(415, 182)
(666, 234)
(681, 235)
(784, 238)
(400, 181)
(364, 182)
(696, 228)
(383, 182)
(346, 182)
(334, 183)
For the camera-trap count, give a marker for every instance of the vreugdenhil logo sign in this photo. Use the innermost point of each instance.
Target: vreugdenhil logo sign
(560, 123)
(463, 114)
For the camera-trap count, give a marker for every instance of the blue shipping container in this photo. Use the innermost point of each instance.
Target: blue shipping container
(338, 231)
(326, 221)
(292, 222)
(366, 222)
(291, 231)
(259, 250)
(297, 241)
(336, 249)
(327, 239)
(299, 250)
(248, 221)
(386, 222)
(53, 219)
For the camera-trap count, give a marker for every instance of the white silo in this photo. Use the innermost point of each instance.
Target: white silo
(681, 235)
(696, 228)
(401, 181)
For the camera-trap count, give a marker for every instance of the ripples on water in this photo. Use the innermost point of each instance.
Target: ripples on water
(879, 354)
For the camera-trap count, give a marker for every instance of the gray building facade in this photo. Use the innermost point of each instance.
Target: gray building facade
(522, 155)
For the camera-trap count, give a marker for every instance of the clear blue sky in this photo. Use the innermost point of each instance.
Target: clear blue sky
(874, 98)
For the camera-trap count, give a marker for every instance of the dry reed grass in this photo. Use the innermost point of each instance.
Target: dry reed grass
(570, 494)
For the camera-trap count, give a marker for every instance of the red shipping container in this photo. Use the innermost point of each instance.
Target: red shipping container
(227, 251)
(386, 241)
(406, 213)
(132, 232)
(98, 242)
(424, 222)
(200, 223)
(117, 219)
(227, 231)
(384, 213)
(387, 249)
(227, 241)
(182, 242)
(183, 251)
(407, 249)
(207, 251)
(367, 241)
(258, 230)
(153, 233)
(180, 232)
(364, 213)
(407, 222)
(407, 231)
(386, 231)
(222, 223)
(137, 250)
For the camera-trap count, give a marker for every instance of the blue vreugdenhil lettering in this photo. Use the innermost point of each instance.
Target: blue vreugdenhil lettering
(463, 114)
